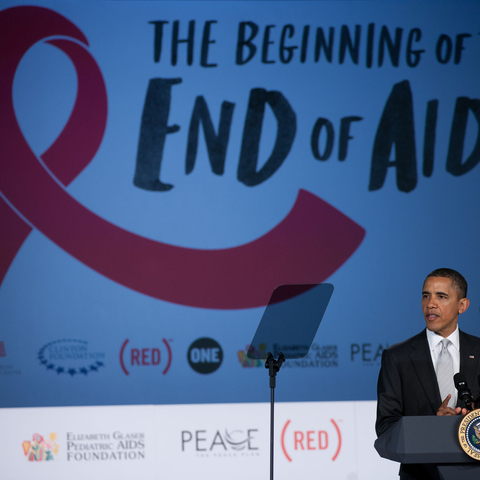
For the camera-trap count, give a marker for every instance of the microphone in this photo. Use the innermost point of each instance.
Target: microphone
(477, 401)
(464, 392)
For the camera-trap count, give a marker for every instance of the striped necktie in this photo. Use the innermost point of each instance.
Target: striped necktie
(445, 373)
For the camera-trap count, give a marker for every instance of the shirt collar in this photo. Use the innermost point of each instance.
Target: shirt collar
(434, 339)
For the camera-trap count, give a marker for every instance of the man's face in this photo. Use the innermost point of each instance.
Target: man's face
(441, 305)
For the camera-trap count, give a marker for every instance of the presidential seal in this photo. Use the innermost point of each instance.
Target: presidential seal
(469, 434)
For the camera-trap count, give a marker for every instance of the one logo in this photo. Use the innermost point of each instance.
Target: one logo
(218, 442)
(72, 357)
(469, 434)
(205, 355)
(152, 356)
(369, 354)
(39, 449)
(3, 353)
(307, 246)
(327, 441)
(247, 362)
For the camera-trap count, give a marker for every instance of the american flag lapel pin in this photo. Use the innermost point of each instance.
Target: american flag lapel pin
(471, 356)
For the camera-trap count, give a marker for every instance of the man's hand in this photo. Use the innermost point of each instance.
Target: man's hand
(446, 410)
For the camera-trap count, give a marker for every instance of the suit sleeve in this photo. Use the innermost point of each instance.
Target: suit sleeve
(389, 394)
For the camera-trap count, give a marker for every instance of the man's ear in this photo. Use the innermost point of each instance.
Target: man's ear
(463, 304)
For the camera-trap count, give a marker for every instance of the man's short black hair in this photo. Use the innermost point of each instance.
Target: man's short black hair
(458, 281)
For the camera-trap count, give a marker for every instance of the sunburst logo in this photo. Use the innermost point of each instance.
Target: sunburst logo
(40, 448)
(257, 356)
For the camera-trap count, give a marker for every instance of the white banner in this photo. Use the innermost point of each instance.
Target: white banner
(328, 440)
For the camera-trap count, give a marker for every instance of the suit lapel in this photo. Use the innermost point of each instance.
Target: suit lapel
(469, 359)
(423, 366)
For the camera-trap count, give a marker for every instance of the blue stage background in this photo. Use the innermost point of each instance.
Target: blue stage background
(72, 335)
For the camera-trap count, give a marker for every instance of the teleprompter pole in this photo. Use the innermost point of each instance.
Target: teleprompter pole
(273, 367)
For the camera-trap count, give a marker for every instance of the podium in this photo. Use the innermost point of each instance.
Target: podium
(429, 440)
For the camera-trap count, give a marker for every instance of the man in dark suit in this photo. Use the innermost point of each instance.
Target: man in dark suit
(407, 383)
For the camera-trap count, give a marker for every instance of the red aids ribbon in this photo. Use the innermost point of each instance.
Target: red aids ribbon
(21, 28)
(307, 246)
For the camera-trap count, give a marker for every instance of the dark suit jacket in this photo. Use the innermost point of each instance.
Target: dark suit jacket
(407, 384)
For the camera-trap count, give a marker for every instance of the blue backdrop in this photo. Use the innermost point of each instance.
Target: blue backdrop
(165, 165)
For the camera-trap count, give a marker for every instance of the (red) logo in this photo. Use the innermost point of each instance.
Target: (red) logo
(326, 440)
(307, 246)
(145, 356)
